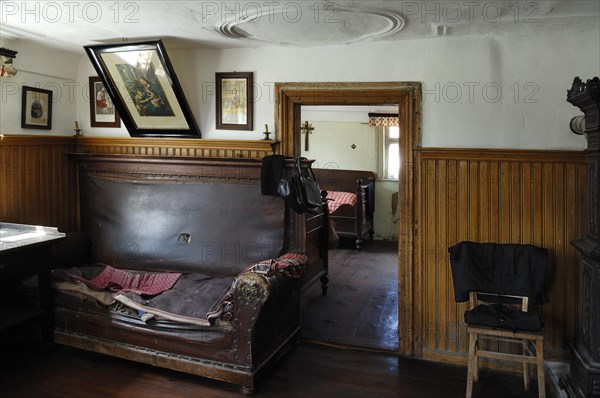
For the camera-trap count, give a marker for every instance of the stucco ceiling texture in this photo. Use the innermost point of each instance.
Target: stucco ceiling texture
(233, 24)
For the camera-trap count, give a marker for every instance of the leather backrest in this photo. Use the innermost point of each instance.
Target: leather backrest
(214, 228)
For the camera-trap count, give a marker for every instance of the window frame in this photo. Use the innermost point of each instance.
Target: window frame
(383, 134)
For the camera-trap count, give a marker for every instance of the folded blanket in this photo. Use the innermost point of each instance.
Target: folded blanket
(118, 280)
(196, 299)
(338, 198)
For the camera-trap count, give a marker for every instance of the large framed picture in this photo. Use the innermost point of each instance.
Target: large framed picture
(142, 84)
(235, 100)
(36, 108)
(103, 112)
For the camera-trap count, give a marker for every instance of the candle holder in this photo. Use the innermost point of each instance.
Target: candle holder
(266, 133)
(78, 133)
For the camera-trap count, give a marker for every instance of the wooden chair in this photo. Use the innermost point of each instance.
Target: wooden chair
(501, 281)
(532, 344)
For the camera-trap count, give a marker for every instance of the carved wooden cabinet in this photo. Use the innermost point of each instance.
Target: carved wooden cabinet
(583, 380)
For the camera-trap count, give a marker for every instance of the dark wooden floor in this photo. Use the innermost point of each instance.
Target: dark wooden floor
(307, 371)
(361, 305)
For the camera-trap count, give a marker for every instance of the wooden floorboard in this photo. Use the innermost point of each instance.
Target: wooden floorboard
(361, 305)
(309, 370)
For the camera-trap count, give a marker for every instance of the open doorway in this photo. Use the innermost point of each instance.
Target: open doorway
(289, 97)
(351, 161)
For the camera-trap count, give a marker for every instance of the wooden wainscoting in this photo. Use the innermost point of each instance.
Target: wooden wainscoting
(501, 196)
(38, 182)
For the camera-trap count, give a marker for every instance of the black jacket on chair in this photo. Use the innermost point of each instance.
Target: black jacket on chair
(515, 269)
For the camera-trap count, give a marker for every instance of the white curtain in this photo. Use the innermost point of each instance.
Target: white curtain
(383, 119)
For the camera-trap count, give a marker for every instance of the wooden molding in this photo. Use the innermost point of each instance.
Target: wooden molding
(509, 155)
(253, 149)
(178, 142)
(289, 97)
(22, 139)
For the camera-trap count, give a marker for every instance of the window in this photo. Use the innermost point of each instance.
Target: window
(389, 164)
(388, 136)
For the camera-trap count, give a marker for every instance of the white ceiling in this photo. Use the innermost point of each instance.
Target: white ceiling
(228, 24)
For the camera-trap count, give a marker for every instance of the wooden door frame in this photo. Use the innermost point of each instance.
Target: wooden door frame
(289, 97)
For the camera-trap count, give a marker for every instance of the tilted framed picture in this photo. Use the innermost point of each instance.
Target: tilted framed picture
(103, 112)
(142, 84)
(235, 100)
(36, 108)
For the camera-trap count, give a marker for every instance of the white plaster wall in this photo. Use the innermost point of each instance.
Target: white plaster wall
(386, 225)
(461, 77)
(490, 92)
(330, 144)
(47, 69)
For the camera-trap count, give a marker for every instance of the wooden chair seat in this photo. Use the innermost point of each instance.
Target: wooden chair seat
(508, 276)
(532, 348)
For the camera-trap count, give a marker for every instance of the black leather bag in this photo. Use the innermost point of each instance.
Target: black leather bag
(301, 191)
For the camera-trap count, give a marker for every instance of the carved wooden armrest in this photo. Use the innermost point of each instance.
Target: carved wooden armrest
(257, 283)
(251, 289)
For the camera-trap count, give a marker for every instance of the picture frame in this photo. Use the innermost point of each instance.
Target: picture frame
(235, 100)
(144, 88)
(36, 108)
(103, 112)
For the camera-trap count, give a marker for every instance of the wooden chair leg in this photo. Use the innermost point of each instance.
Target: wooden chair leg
(539, 352)
(525, 367)
(471, 364)
(476, 360)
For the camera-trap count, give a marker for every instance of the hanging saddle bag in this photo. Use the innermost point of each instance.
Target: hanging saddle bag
(301, 190)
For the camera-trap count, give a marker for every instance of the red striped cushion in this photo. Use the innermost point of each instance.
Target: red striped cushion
(338, 198)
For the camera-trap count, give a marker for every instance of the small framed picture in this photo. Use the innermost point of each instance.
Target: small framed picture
(36, 108)
(103, 112)
(235, 100)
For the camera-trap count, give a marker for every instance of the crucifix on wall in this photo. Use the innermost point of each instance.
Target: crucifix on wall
(307, 129)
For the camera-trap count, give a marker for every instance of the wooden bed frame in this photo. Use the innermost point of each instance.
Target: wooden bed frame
(351, 221)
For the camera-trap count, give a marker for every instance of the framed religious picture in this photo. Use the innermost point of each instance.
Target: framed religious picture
(102, 110)
(142, 84)
(36, 108)
(235, 100)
